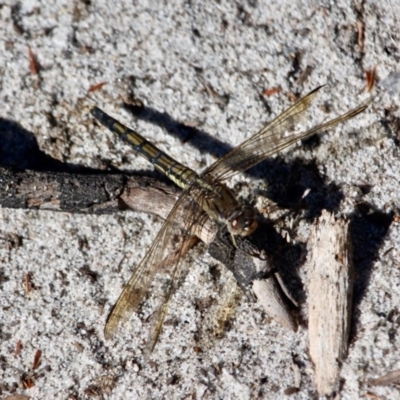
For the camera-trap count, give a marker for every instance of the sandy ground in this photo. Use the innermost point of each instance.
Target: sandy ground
(211, 66)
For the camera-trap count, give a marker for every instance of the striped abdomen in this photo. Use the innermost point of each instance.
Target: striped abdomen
(178, 173)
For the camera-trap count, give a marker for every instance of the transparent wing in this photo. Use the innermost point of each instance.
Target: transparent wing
(269, 140)
(191, 218)
(144, 274)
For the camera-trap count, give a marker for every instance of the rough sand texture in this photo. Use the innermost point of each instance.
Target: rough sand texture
(202, 64)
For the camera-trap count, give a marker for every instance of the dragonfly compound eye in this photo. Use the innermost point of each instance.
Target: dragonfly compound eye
(243, 221)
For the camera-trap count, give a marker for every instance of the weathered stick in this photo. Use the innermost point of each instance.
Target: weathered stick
(330, 295)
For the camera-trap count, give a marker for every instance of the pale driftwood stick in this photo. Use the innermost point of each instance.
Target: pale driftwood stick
(329, 303)
(108, 193)
(269, 295)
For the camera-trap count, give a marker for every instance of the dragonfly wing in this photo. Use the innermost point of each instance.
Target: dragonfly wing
(162, 309)
(270, 140)
(144, 274)
(192, 218)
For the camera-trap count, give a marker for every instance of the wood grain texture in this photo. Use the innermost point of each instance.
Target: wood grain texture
(330, 296)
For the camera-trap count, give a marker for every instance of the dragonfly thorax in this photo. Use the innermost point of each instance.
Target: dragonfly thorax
(221, 204)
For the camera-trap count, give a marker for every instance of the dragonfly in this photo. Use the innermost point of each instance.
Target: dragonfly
(208, 193)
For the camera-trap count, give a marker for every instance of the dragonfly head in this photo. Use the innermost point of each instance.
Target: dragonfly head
(243, 221)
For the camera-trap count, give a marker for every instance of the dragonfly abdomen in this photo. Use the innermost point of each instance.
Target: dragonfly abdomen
(179, 174)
